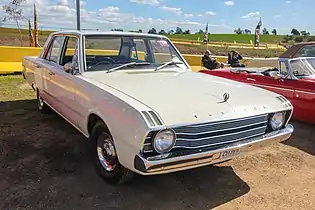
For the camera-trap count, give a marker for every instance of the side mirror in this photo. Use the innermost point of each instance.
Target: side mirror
(68, 67)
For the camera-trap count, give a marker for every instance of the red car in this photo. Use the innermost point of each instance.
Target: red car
(294, 78)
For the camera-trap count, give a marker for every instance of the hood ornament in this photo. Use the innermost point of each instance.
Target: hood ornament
(226, 97)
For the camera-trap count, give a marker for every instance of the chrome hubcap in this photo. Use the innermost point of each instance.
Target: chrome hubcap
(40, 102)
(106, 153)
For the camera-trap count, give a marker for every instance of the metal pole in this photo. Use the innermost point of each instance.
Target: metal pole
(78, 14)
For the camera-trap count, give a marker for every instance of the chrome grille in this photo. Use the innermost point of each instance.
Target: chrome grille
(213, 134)
(216, 133)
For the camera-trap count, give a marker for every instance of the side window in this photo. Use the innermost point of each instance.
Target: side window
(71, 52)
(139, 50)
(306, 51)
(55, 49)
(161, 51)
(283, 68)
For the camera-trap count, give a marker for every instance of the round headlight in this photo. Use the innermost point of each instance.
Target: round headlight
(164, 141)
(277, 120)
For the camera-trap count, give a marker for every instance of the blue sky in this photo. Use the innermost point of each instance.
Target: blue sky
(223, 15)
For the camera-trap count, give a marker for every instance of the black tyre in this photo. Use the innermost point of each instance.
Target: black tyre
(41, 105)
(104, 156)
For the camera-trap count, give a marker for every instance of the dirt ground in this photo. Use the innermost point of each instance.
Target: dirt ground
(44, 166)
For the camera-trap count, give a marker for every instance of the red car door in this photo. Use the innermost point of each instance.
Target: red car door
(304, 100)
(284, 87)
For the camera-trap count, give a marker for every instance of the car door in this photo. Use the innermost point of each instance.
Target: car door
(61, 85)
(304, 93)
(283, 86)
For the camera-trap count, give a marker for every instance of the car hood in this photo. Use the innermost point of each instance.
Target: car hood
(189, 97)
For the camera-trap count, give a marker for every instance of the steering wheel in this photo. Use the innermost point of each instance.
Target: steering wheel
(296, 72)
(107, 61)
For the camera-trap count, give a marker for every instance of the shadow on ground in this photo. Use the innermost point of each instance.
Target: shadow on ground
(303, 137)
(44, 165)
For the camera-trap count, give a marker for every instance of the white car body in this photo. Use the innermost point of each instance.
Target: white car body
(134, 103)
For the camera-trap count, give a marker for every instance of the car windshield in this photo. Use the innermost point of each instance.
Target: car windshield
(112, 53)
(303, 67)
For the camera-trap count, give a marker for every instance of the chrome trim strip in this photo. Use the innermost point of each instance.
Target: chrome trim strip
(208, 145)
(224, 121)
(214, 131)
(278, 88)
(229, 134)
(180, 163)
(305, 92)
(147, 151)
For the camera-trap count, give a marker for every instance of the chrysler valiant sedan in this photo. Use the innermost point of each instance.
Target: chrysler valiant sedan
(142, 108)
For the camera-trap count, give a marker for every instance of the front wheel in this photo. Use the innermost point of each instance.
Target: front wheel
(41, 105)
(104, 156)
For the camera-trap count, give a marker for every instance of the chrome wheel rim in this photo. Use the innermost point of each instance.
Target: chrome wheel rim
(106, 152)
(40, 102)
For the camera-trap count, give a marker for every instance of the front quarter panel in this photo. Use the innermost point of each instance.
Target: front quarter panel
(125, 123)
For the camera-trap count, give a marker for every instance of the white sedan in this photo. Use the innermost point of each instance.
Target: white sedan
(144, 110)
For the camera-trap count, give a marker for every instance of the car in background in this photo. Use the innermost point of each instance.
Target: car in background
(294, 78)
(144, 110)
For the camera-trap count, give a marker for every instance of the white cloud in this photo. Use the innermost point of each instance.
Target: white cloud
(276, 16)
(150, 2)
(171, 9)
(210, 13)
(56, 16)
(251, 16)
(82, 3)
(229, 3)
(188, 15)
(200, 15)
(64, 3)
(288, 2)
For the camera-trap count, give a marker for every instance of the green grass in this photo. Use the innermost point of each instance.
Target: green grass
(238, 38)
(14, 87)
(11, 37)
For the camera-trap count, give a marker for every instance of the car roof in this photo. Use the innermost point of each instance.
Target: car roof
(292, 51)
(115, 33)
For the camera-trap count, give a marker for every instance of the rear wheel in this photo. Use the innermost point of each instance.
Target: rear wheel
(104, 156)
(41, 105)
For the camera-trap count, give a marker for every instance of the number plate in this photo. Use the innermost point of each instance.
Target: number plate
(229, 153)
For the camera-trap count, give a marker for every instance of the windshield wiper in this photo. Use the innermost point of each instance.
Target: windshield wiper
(167, 64)
(127, 65)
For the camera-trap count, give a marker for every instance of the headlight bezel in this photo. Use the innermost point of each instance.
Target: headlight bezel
(272, 120)
(154, 141)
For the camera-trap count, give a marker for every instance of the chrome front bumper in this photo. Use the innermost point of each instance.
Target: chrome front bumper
(168, 165)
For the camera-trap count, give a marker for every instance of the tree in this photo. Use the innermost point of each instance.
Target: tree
(238, 31)
(305, 33)
(274, 31)
(200, 32)
(265, 31)
(14, 12)
(187, 32)
(178, 30)
(117, 29)
(140, 31)
(152, 31)
(171, 31)
(162, 32)
(295, 32)
(247, 31)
